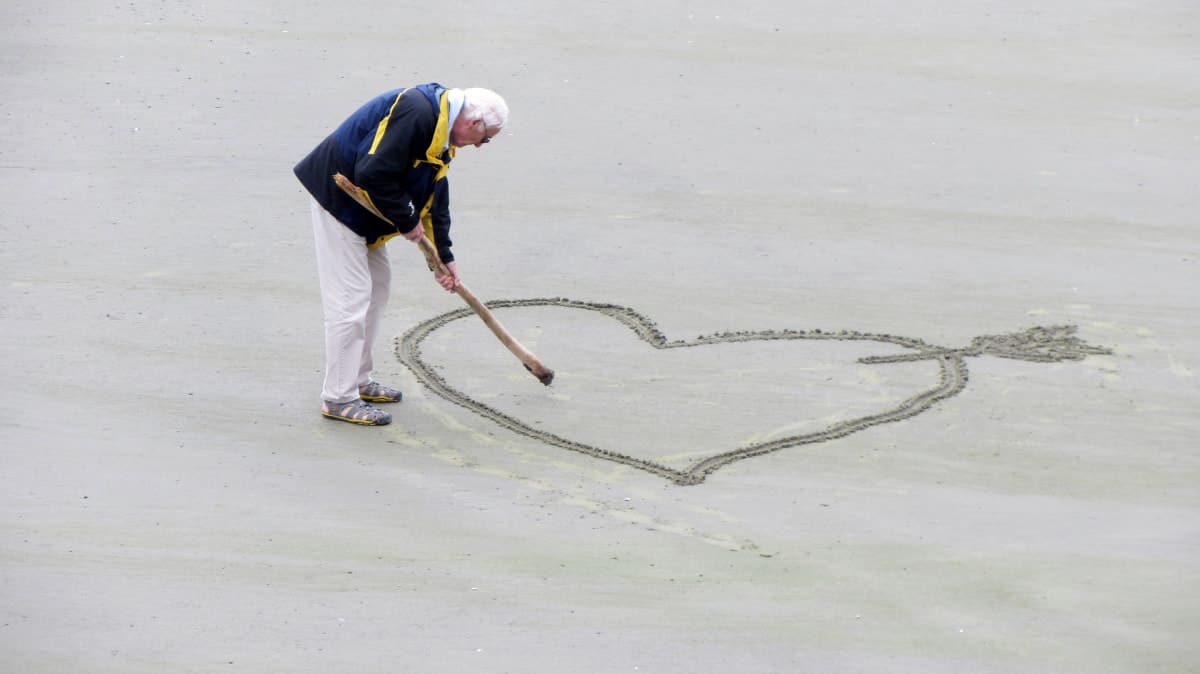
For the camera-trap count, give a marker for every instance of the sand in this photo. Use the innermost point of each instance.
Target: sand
(789, 261)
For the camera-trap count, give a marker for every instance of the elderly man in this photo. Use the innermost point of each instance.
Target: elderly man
(397, 148)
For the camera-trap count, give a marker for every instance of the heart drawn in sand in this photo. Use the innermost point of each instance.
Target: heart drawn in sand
(1038, 344)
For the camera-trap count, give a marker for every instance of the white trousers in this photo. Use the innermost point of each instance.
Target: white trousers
(354, 292)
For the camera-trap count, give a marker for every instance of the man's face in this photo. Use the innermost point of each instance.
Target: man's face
(470, 132)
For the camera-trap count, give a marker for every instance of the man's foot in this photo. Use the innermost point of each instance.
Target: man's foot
(378, 393)
(356, 412)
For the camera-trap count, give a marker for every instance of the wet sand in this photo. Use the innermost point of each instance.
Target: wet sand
(732, 179)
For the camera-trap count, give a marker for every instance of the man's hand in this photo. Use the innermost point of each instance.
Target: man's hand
(449, 282)
(415, 233)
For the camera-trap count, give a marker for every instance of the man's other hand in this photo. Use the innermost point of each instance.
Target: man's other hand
(451, 281)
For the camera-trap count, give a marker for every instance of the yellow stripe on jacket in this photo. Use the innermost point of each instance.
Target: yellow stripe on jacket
(383, 123)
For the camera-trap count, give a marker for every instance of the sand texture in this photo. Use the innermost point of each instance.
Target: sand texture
(874, 328)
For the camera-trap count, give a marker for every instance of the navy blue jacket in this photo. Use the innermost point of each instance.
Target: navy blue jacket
(395, 148)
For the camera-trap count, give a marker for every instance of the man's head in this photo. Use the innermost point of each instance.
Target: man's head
(482, 117)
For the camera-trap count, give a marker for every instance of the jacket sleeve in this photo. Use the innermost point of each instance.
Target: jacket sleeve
(439, 214)
(399, 140)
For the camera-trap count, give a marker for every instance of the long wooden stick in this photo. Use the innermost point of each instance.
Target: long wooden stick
(530, 361)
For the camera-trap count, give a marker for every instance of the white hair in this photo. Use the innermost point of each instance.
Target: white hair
(487, 105)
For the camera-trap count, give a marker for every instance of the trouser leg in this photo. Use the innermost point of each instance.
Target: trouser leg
(344, 269)
(381, 278)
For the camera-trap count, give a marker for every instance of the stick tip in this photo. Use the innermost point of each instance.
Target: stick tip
(543, 373)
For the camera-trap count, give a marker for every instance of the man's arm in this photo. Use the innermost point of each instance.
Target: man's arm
(439, 215)
(398, 141)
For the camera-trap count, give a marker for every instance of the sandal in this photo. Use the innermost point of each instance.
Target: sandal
(356, 412)
(378, 393)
